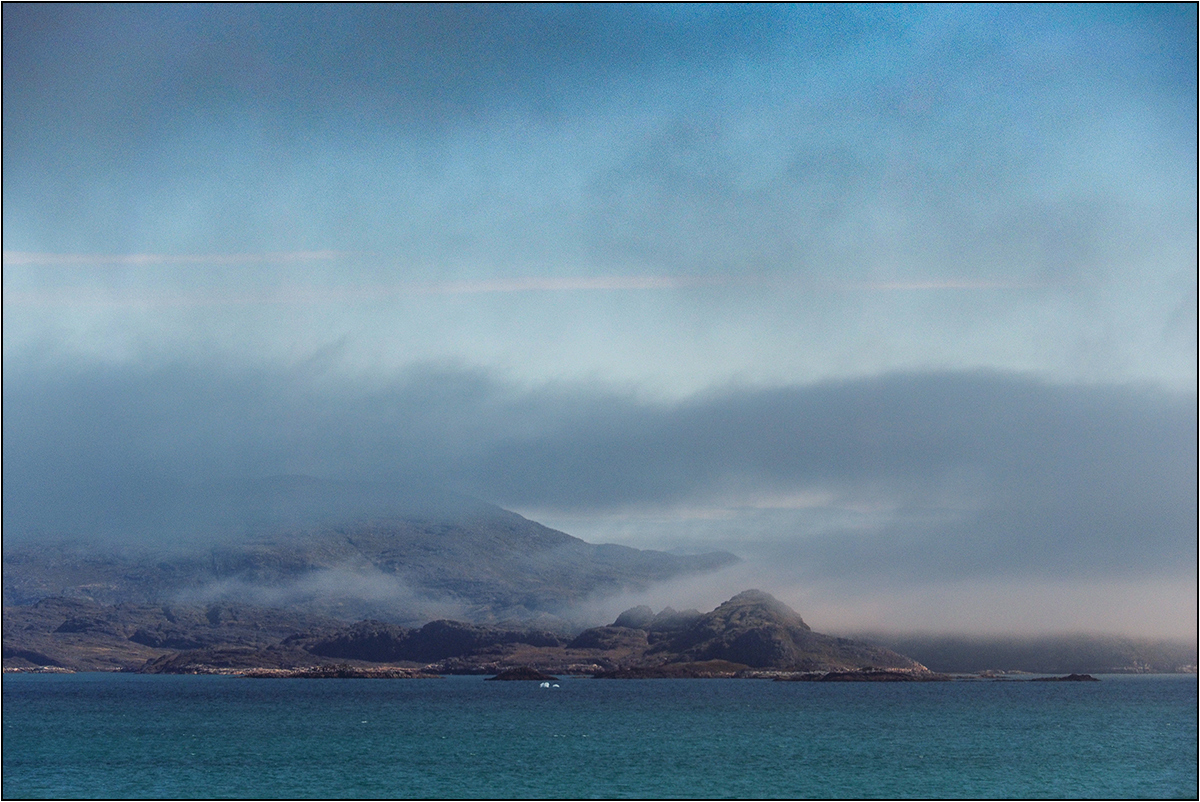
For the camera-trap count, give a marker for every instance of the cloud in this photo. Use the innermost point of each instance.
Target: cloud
(677, 197)
(906, 476)
(757, 138)
(567, 283)
(942, 284)
(88, 289)
(351, 590)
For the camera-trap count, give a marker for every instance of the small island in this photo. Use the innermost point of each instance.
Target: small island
(1068, 678)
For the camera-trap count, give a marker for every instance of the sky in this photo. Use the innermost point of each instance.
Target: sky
(897, 303)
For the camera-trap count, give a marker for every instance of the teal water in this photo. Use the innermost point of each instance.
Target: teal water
(131, 736)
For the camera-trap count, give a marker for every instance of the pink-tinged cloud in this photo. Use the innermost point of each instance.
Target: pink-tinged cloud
(91, 259)
(309, 294)
(942, 284)
(534, 284)
(302, 294)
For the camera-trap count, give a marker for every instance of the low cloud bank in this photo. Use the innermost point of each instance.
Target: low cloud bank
(348, 591)
(915, 476)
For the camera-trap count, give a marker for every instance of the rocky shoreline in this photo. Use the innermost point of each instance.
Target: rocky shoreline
(338, 672)
(667, 671)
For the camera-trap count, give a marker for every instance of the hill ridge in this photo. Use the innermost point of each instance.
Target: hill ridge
(406, 557)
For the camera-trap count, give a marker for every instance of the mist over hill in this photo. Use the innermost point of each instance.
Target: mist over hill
(349, 550)
(271, 557)
(163, 513)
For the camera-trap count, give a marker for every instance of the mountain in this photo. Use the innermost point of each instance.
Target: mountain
(344, 550)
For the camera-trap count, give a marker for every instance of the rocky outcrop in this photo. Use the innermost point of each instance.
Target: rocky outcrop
(752, 630)
(757, 630)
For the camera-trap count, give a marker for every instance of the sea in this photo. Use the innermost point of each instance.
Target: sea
(131, 736)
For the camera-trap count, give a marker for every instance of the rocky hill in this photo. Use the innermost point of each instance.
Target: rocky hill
(756, 629)
(83, 635)
(344, 550)
(753, 629)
